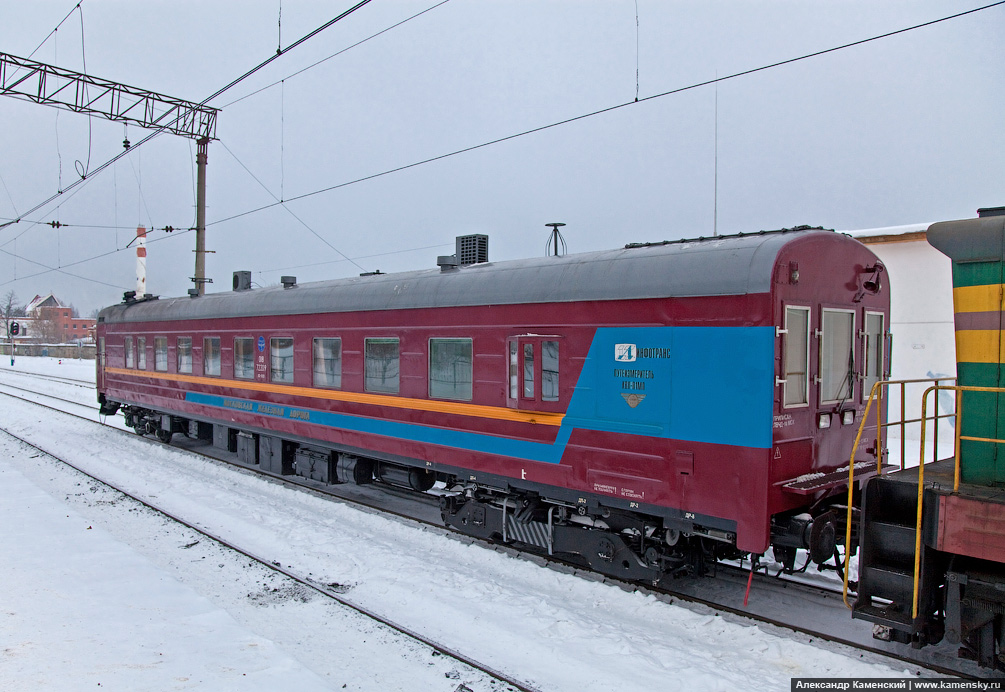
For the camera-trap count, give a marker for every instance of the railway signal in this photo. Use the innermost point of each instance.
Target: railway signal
(13, 330)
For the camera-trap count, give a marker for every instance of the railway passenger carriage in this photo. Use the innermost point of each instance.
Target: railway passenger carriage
(646, 409)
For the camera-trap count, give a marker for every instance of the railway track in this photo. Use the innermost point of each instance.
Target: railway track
(44, 396)
(815, 611)
(86, 384)
(326, 591)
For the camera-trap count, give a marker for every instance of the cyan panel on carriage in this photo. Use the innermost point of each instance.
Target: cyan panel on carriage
(703, 384)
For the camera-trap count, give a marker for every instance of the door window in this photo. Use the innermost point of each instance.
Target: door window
(837, 356)
(875, 355)
(796, 348)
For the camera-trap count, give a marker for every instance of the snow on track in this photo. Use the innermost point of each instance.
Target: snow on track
(557, 631)
(133, 628)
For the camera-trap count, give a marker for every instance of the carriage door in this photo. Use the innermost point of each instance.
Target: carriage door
(101, 363)
(533, 368)
(836, 358)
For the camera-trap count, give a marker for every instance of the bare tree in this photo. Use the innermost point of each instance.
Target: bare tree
(47, 327)
(10, 309)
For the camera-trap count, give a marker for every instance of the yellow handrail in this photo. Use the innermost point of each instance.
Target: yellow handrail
(877, 394)
(959, 437)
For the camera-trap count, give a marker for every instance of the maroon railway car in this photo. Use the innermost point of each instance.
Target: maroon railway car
(647, 408)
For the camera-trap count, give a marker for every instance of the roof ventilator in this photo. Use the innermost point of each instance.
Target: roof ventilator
(288, 281)
(469, 249)
(242, 281)
(472, 249)
(446, 262)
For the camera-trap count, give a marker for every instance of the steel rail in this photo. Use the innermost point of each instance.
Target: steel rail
(290, 574)
(88, 384)
(663, 593)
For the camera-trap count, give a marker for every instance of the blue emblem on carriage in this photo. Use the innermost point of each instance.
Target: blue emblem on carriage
(261, 344)
(625, 353)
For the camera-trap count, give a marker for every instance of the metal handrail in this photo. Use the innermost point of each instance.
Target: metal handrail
(959, 437)
(877, 395)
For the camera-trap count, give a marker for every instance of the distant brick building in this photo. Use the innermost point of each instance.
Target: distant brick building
(50, 321)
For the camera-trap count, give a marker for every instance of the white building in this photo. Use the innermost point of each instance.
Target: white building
(921, 300)
(921, 321)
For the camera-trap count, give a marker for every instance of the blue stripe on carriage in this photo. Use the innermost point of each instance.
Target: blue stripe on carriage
(700, 384)
(475, 442)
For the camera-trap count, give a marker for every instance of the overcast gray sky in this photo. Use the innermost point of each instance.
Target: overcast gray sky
(902, 130)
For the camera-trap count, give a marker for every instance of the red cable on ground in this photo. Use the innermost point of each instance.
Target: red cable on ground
(746, 594)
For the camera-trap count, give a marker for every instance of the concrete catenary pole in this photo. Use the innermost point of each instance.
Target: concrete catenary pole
(200, 216)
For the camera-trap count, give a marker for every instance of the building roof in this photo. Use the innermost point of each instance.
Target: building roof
(46, 301)
(891, 234)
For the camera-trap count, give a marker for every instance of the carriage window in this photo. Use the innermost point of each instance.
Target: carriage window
(281, 353)
(211, 356)
(141, 352)
(328, 362)
(381, 365)
(184, 354)
(874, 355)
(514, 370)
(450, 369)
(161, 353)
(837, 356)
(795, 391)
(244, 359)
(130, 358)
(549, 371)
(528, 371)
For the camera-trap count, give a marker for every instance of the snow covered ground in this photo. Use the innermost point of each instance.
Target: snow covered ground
(98, 590)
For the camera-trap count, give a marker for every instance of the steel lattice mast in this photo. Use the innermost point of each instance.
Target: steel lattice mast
(37, 82)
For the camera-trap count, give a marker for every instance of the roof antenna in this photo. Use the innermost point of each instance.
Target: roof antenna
(556, 237)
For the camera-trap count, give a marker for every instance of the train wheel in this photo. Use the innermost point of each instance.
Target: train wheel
(164, 435)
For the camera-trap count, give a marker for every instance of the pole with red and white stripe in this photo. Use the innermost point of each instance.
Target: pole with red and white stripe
(141, 262)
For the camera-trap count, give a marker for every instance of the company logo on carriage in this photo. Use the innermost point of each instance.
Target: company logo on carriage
(625, 353)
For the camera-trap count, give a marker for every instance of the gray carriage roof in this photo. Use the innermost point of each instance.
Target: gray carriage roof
(724, 265)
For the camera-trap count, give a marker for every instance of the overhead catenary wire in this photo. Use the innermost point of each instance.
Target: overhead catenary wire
(509, 137)
(168, 236)
(334, 55)
(82, 168)
(360, 257)
(288, 210)
(610, 109)
(48, 270)
(636, 50)
(62, 270)
(105, 227)
(49, 35)
(205, 101)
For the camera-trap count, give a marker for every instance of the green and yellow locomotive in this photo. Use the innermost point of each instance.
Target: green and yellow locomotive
(932, 561)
